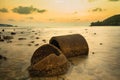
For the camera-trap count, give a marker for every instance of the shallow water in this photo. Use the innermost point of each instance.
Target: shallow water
(102, 63)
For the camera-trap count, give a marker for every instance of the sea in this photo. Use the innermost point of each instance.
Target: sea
(102, 62)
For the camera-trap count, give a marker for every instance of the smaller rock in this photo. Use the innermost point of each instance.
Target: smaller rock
(13, 33)
(101, 43)
(21, 38)
(37, 38)
(33, 31)
(44, 40)
(7, 37)
(29, 44)
(93, 52)
(22, 32)
(36, 44)
(32, 42)
(2, 57)
(9, 41)
(3, 30)
(94, 33)
(1, 40)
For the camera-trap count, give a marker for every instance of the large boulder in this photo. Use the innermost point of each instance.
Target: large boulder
(48, 60)
(71, 45)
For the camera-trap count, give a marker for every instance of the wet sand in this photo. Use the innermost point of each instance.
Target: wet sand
(102, 63)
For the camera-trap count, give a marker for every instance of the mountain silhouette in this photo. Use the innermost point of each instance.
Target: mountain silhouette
(111, 21)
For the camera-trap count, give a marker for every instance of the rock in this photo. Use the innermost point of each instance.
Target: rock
(36, 44)
(94, 33)
(21, 38)
(32, 42)
(7, 37)
(44, 40)
(0, 37)
(33, 31)
(48, 60)
(2, 57)
(9, 41)
(13, 33)
(1, 40)
(71, 45)
(101, 43)
(3, 30)
(93, 52)
(37, 38)
(29, 44)
(22, 32)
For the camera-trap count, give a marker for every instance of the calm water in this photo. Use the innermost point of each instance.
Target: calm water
(102, 63)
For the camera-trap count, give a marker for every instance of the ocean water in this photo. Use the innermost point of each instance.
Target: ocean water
(102, 63)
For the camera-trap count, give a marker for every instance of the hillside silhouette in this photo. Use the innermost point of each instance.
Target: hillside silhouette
(111, 21)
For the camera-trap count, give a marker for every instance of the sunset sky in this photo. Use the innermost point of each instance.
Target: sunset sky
(34, 12)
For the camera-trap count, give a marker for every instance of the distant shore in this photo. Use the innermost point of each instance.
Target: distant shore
(111, 21)
(8, 25)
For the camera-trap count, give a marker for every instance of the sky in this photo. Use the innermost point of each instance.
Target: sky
(36, 12)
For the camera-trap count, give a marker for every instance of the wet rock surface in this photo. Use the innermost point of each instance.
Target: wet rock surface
(48, 61)
(71, 45)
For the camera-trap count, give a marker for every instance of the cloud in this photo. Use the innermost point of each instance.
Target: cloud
(26, 10)
(41, 11)
(98, 10)
(114, 0)
(11, 20)
(4, 10)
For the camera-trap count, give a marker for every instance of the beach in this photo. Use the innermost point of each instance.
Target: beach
(102, 62)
